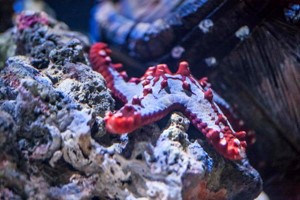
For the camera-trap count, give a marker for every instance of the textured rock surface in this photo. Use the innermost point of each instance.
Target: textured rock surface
(54, 146)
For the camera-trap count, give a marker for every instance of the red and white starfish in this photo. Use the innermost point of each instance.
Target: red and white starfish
(159, 91)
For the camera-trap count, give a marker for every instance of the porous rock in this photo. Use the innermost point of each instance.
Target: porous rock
(52, 108)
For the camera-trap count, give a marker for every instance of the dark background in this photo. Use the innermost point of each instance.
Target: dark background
(75, 13)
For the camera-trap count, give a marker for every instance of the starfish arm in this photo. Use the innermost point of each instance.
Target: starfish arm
(101, 62)
(132, 116)
(209, 119)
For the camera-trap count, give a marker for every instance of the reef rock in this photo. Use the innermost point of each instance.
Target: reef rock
(54, 144)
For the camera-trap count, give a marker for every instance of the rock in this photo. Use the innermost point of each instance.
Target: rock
(189, 169)
(7, 130)
(55, 145)
(37, 35)
(7, 47)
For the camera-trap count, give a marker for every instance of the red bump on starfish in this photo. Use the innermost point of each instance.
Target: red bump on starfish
(128, 119)
(183, 69)
(203, 82)
(164, 83)
(136, 100)
(208, 94)
(186, 86)
(213, 134)
(221, 119)
(158, 92)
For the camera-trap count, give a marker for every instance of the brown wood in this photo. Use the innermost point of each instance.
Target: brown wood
(262, 78)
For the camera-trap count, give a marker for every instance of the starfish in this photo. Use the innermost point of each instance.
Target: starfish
(159, 91)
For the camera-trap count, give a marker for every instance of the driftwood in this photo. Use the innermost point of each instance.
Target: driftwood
(262, 78)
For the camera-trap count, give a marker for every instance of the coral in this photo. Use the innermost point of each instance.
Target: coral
(157, 92)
